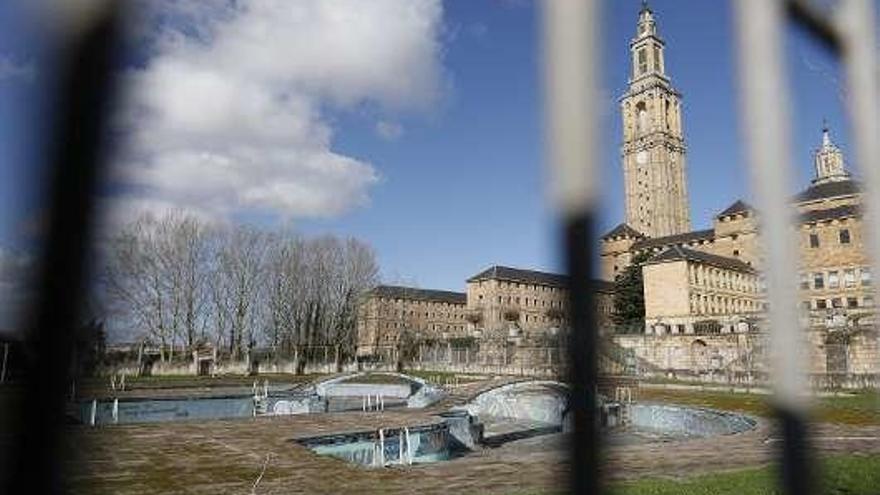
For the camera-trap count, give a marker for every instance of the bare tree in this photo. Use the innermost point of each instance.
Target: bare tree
(238, 275)
(182, 253)
(358, 273)
(136, 285)
(177, 280)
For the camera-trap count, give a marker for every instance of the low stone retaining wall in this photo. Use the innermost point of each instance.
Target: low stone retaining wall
(242, 368)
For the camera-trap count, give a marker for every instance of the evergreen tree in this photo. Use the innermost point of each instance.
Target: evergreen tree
(629, 293)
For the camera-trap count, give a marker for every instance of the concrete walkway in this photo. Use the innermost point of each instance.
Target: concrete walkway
(226, 456)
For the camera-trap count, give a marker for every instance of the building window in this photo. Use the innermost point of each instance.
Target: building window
(836, 303)
(852, 302)
(833, 280)
(849, 278)
(844, 236)
(643, 61)
(814, 240)
(821, 304)
(736, 252)
(818, 281)
(805, 281)
(866, 276)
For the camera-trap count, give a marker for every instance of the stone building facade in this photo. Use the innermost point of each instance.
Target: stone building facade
(685, 288)
(703, 283)
(835, 273)
(525, 300)
(389, 313)
(704, 293)
(501, 303)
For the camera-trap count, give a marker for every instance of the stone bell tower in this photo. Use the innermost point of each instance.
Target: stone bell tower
(653, 149)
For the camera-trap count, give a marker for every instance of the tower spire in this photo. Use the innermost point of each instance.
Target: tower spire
(828, 159)
(647, 24)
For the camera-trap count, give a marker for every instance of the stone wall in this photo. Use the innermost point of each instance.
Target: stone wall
(236, 368)
(695, 354)
(846, 361)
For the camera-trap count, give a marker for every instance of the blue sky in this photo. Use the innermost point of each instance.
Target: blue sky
(466, 188)
(456, 181)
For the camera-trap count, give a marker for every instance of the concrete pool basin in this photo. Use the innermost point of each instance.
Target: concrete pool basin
(351, 392)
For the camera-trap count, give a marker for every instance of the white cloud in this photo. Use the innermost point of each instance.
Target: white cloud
(12, 70)
(230, 111)
(390, 131)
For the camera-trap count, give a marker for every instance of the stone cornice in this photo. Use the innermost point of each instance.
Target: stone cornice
(646, 83)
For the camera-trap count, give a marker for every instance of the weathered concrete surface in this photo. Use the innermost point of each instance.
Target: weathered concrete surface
(227, 456)
(212, 457)
(542, 401)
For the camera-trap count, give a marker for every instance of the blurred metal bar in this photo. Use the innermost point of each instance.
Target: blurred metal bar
(817, 22)
(571, 43)
(766, 127)
(85, 91)
(856, 21)
(571, 97)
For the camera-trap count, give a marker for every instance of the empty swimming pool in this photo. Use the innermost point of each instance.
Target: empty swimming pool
(453, 436)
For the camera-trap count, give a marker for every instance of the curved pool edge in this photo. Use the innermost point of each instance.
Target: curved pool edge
(735, 422)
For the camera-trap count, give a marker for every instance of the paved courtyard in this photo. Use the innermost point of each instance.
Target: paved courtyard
(227, 456)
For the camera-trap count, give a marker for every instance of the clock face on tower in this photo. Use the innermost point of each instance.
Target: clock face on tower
(642, 157)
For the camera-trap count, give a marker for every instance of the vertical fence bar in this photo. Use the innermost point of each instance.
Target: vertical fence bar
(572, 102)
(765, 125)
(856, 24)
(87, 37)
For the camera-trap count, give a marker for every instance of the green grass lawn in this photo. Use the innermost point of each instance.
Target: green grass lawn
(851, 474)
(861, 408)
(839, 475)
